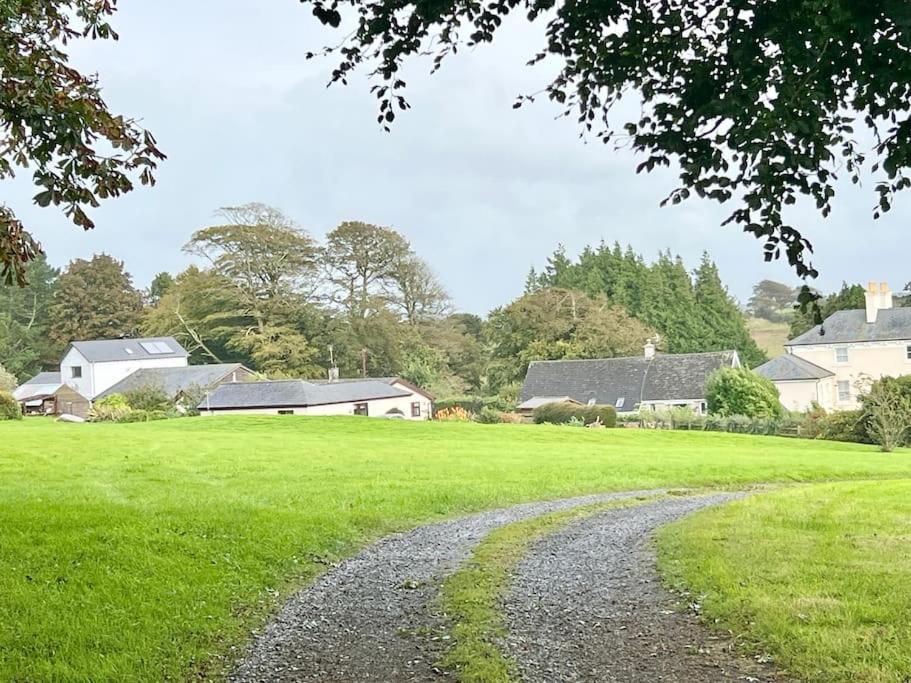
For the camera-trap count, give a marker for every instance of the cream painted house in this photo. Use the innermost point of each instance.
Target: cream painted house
(832, 363)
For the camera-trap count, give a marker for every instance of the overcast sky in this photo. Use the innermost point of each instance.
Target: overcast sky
(482, 191)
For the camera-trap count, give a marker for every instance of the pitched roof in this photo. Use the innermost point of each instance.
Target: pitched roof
(104, 350)
(851, 326)
(789, 367)
(538, 401)
(665, 377)
(42, 384)
(388, 380)
(173, 380)
(297, 392)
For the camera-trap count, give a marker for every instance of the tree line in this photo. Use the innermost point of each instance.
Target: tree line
(268, 294)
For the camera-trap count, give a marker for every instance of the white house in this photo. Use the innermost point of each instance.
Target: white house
(90, 367)
(833, 362)
(389, 397)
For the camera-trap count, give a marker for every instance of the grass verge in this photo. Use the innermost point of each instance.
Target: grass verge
(145, 551)
(472, 597)
(819, 577)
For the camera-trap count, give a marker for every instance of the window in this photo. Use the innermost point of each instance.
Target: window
(156, 348)
(844, 390)
(620, 402)
(286, 412)
(76, 371)
(841, 355)
(908, 352)
(361, 409)
(415, 409)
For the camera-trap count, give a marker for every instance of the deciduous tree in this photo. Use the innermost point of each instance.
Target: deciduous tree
(756, 102)
(55, 123)
(94, 299)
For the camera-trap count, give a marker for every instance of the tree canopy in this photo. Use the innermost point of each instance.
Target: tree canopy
(55, 123)
(757, 102)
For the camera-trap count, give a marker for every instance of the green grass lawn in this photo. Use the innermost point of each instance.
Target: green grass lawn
(144, 551)
(818, 576)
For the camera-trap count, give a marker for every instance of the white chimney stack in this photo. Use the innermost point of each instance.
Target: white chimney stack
(649, 349)
(878, 297)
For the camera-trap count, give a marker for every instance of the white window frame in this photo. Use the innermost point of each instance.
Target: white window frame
(839, 350)
(846, 395)
(908, 352)
(619, 402)
(76, 372)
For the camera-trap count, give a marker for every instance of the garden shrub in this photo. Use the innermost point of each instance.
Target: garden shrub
(844, 425)
(7, 380)
(9, 407)
(511, 418)
(191, 398)
(453, 414)
(475, 404)
(738, 391)
(488, 416)
(148, 397)
(562, 413)
(887, 412)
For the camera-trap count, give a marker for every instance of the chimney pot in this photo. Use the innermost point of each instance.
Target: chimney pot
(649, 349)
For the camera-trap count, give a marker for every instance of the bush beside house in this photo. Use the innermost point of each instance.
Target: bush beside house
(564, 413)
(738, 391)
(9, 407)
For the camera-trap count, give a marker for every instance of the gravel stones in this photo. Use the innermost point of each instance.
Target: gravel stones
(587, 605)
(372, 618)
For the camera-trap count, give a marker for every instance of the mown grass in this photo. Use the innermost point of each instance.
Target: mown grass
(144, 551)
(819, 577)
(471, 598)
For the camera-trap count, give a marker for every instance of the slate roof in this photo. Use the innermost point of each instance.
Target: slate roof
(105, 350)
(538, 401)
(298, 393)
(851, 326)
(388, 380)
(42, 384)
(665, 377)
(173, 380)
(790, 368)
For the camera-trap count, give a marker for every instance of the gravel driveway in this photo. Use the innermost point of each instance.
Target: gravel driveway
(371, 618)
(586, 605)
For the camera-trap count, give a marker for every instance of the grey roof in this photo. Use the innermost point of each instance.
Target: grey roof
(851, 326)
(538, 401)
(386, 380)
(42, 384)
(104, 350)
(173, 380)
(44, 378)
(665, 377)
(297, 392)
(789, 368)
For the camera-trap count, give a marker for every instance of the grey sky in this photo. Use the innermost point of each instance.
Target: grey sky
(481, 190)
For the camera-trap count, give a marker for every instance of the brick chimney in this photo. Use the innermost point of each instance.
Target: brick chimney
(878, 297)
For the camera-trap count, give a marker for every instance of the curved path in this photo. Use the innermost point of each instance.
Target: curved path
(372, 618)
(586, 605)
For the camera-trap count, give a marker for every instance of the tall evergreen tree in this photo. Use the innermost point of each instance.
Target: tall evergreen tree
(721, 321)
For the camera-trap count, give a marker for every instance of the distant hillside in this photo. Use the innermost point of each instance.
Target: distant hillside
(769, 336)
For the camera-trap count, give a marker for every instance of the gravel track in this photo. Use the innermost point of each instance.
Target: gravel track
(587, 605)
(371, 618)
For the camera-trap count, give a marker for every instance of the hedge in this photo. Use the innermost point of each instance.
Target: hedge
(475, 404)
(562, 413)
(9, 407)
